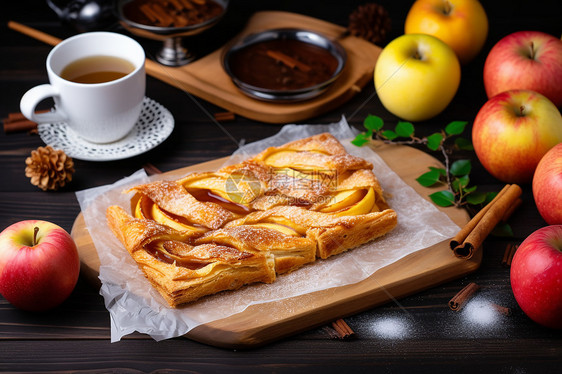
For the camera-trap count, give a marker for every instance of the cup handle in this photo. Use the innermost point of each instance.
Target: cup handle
(33, 97)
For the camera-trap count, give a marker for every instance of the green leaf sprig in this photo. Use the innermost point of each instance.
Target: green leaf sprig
(455, 175)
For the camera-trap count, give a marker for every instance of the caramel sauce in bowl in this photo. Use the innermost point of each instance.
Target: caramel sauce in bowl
(284, 64)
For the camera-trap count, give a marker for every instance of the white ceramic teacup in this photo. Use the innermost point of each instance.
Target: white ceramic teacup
(98, 112)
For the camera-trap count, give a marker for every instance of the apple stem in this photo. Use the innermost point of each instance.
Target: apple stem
(532, 49)
(447, 9)
(35, 231)
(522, 111)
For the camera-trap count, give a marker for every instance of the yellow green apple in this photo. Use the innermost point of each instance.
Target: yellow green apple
(416, 76)
(513, 131)
(462, 24)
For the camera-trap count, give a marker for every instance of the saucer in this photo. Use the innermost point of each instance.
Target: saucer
(154, 126)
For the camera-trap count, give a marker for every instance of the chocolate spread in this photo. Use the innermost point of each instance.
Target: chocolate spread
(257, 65)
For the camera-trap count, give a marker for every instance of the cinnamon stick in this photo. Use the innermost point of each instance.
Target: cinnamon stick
(288, 60)
(149, 13)
(151, 169)
(180, 21)
(163, 16)
(471, 236)
(458, 301)
(187, 4)
(224, 116)
(465, 231)
(509, 253)
(502, 309)
(19, 126)
(343, 329)
(17, 116)
(17, 122)
(13, 117)
(511, 209)
(36, 34)
(331, 332)
(177, 5)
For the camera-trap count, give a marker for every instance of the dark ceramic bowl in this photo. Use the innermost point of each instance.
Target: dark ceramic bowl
(284, 64)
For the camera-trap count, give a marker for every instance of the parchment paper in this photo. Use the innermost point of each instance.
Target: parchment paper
(134, 305)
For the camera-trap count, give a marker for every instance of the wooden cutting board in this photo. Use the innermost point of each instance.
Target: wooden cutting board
(260, 324)
(207, 79)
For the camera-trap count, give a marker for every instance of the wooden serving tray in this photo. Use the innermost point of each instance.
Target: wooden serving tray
(207, 79)
(260, 324)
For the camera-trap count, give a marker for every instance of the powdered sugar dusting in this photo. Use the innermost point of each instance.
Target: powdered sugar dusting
(388, 327)
(480, 311)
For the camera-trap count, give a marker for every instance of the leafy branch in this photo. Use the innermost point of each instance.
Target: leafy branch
(455, 175)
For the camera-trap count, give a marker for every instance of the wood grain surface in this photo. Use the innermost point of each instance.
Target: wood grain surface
(414, 334)
(266, 322)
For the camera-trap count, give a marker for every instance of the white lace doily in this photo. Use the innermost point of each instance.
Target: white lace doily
(154, 126)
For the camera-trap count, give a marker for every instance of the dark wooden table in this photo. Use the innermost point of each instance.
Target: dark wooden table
(418, 333)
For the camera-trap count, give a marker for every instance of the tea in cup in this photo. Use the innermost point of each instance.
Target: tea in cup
(97, 81)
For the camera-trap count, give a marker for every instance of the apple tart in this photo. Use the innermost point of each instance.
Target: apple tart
(250, 222)
(181, 270)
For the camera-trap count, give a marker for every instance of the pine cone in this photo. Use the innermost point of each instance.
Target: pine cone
(48, 168)
(371, 22)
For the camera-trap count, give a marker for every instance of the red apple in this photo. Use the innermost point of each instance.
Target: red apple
(525, 60)
(547, 186)
(39, 265)
(536, 274)
(513, 131)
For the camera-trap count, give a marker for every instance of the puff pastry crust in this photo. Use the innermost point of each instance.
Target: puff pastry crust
(250, 222)
(182, 270)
